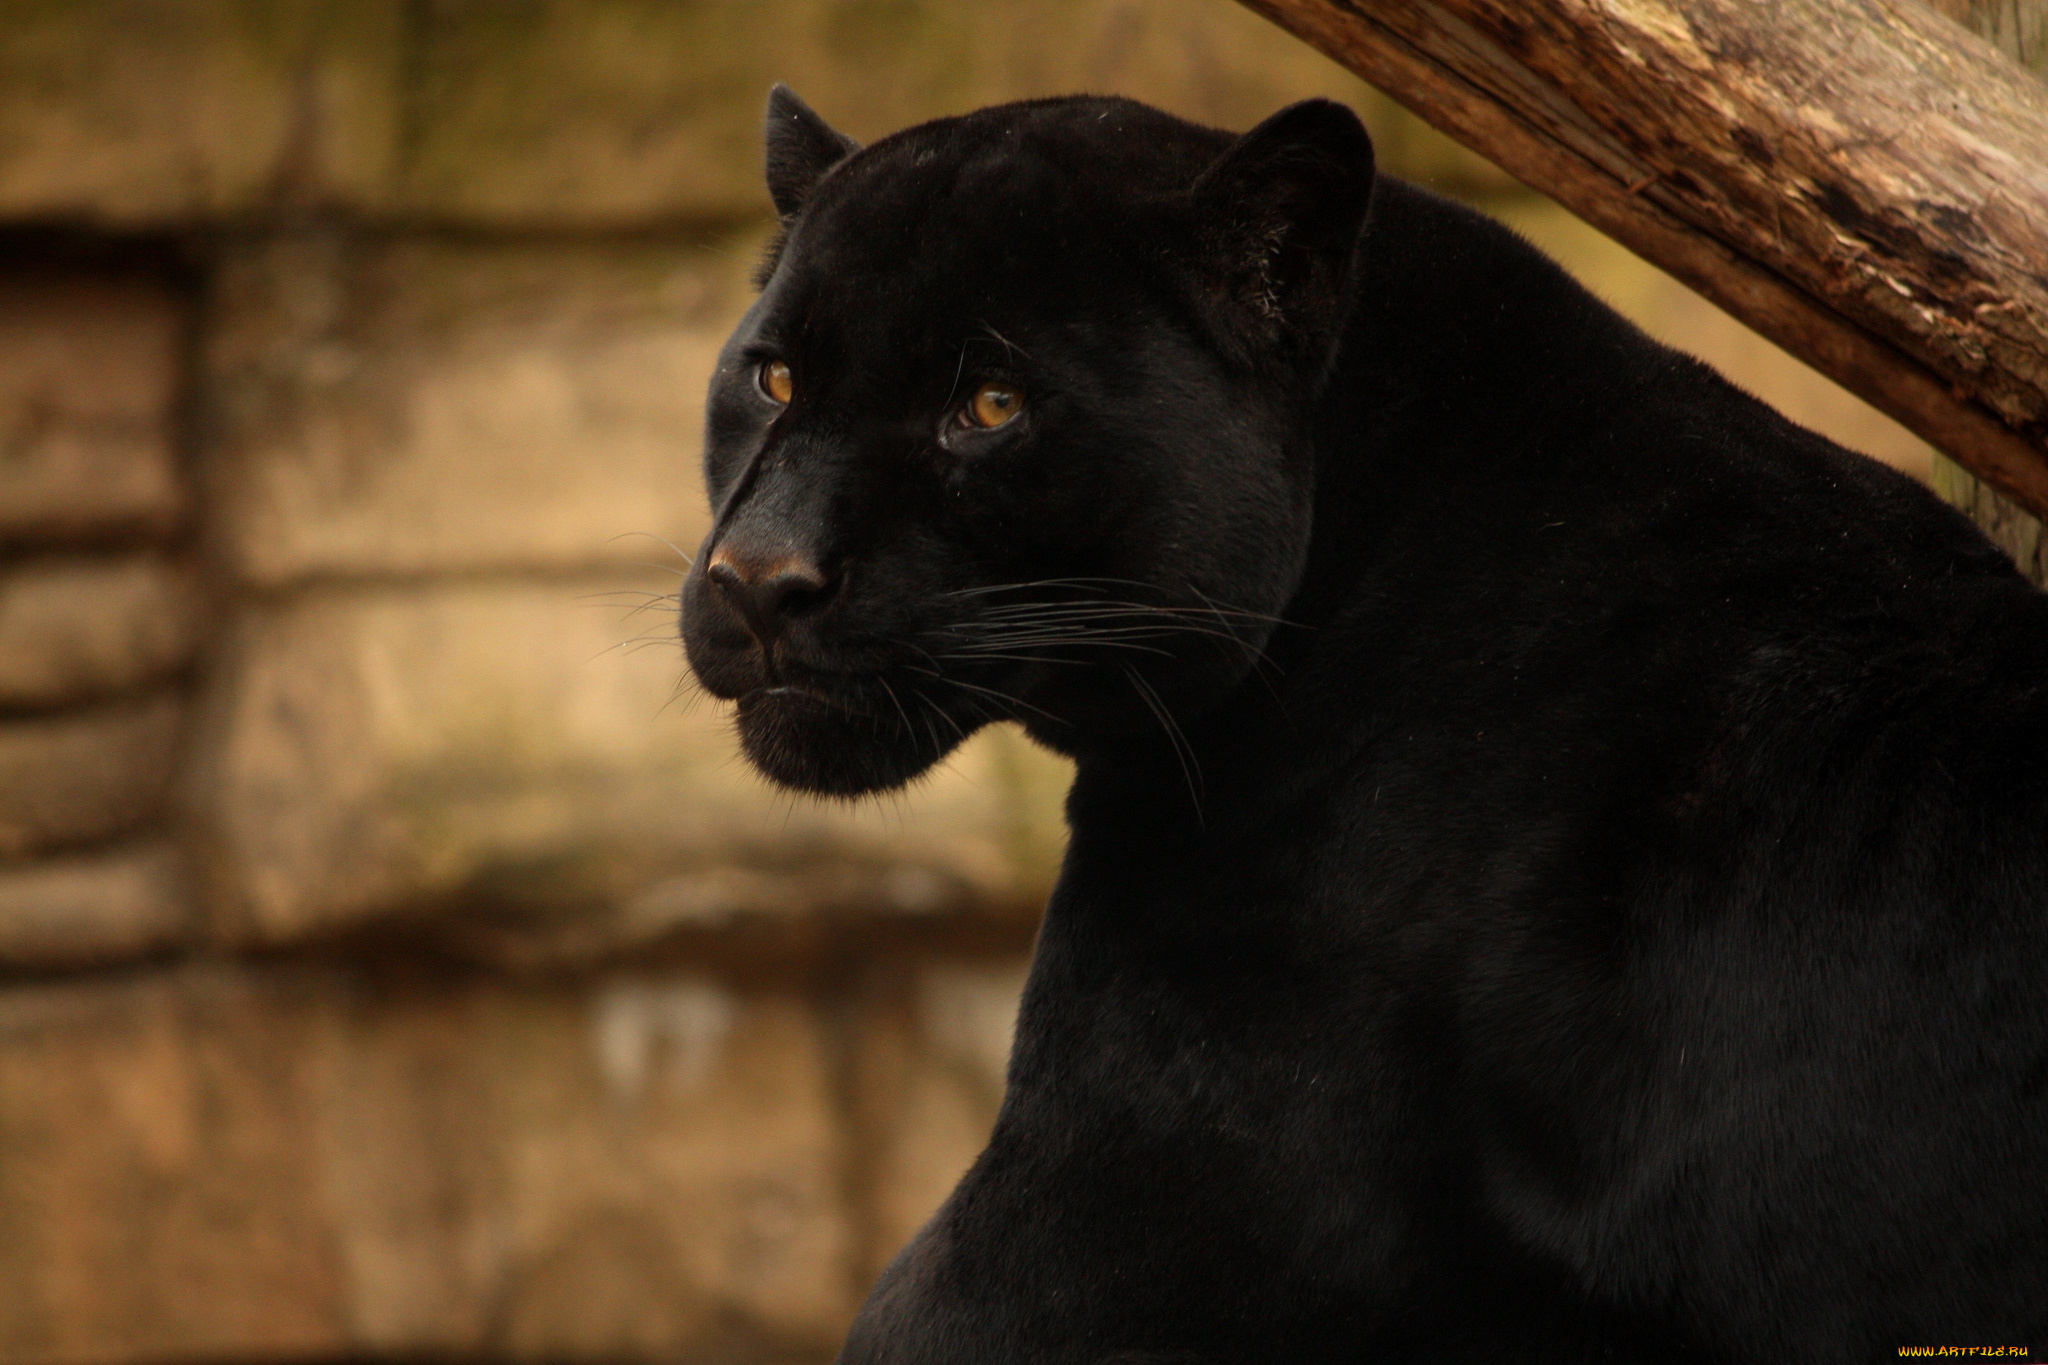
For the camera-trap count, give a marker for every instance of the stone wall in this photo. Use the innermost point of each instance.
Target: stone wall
(395, 960)
(100, 615)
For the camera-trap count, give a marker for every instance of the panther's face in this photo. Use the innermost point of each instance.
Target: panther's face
(1015, 429)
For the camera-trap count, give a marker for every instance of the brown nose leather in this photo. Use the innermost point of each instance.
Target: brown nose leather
(766, 594)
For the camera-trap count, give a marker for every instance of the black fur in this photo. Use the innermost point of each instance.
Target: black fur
(1559, 865)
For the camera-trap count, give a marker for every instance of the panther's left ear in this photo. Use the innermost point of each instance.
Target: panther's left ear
(1279, 215)
(801, 148)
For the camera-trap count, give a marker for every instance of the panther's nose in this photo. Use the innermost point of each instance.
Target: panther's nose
(768, 592)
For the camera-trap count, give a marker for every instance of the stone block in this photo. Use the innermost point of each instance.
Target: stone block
(164, 111)
(933, 1051)
(77, 629)
(491, 747)
(88, 372)
(96, 907)
(388, 407)
(322, 1162)
(85, 775)
(570, 112)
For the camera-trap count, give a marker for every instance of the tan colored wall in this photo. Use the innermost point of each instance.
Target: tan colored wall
(394, 958)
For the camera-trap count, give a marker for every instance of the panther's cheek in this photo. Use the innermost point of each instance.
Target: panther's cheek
(804, 740)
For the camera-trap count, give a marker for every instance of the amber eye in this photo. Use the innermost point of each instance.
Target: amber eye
(774, 380)
(993, 405)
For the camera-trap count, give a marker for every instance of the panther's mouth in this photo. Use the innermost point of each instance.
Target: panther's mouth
(845, 736)
(771, 691)
(792, 702)
(847, 688)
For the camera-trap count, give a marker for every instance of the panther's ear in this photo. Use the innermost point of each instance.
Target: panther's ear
(801, 148)
(1279, 215)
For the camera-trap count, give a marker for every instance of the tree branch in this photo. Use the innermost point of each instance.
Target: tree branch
(1862, 181)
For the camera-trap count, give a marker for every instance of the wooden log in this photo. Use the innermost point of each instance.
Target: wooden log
(2019, 29)
(1862, 181)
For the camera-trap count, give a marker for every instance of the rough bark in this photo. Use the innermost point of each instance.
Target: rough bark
(1862, 181)
(2018, 28)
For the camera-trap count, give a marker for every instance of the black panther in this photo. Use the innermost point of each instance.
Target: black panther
(1559, 860)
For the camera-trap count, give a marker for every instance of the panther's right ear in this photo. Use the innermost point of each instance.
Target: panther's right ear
(1279, 213)
(801, 148)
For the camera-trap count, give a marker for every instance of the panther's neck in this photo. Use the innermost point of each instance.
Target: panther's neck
(1463, 386)
(1471, 359)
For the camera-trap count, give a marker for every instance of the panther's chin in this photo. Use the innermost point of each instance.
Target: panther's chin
(808, 741)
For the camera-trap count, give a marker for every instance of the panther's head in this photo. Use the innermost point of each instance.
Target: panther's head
(1017, 427)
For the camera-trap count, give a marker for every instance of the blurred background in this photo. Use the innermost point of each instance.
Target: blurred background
(395, 960)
